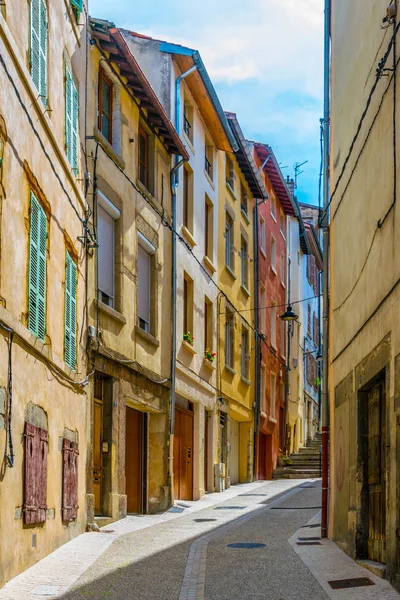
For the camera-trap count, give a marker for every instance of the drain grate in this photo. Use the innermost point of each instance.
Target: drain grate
(309, 543)
(204, 520)
(343, 584)
(229, 507)
(242, 495)
(246, 545)
(308, 539)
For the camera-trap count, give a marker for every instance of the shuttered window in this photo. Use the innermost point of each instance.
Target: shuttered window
(143, 288)
(71, 120)
(70, 312)
(105, 235)
(77, 4)
(70, 481)
(37, 270)
(39, 25)
(35, 474)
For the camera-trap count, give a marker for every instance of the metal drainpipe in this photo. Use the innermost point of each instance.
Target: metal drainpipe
(325, 226)
(178, 105)
(289, 332)
(257, 340)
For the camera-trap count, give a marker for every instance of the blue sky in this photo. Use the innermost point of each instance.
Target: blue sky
(265, 58)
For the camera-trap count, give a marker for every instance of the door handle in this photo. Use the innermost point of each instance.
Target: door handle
(189, 453)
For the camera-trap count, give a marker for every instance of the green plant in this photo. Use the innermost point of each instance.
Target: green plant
(209, 355)
(188, 337)
(317, 382)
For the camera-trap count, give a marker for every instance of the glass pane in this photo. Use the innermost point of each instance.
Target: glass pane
(106, 98)
(105, 126)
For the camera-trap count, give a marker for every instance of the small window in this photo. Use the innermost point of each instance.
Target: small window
(273, 253)
(283, 269)
(263, 387)
(273, 207)
(230, 173)
(146, 252)
(209, 228)
(245, 354)
(316, 330)
(70, 312)
(283, 224)
(105, 106)
(36, 443)
(272, 395)
(262, 234)
(308, 320)
(229, 339)
(273, 325)
(38, 49)
(107, 215)
(244, 200)
(208, 325)
(209, 160)
(71, 120)
(229, 247)
(187, 206)
(188, 306)
(263, 310)
(188, 120)
(244, 260)
(37, 269)
(143, 158)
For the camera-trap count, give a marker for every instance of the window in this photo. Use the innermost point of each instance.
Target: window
(70, 480)
(273, 253)
(308, 320)
(105, 106)
(146, 252)
(283, 269)
(143, 158)
(107, 214)
(244, 261)
(71, 120)
(37, 269)
(187, 215)
(262, 234)
(229, 247)
(70, 312)
(77, 6)
(230, 173)
(245, 355)
(263, 311)
(273, 325)
(187, 305)
(282, 392)
(209, 160)
(316, 330)
(263, 387)
(273, 207)
(283, 224)
(272, 395)
(243, 199)
(209, 228)
(188, 120)
(229, 338)
(283, 338)
(38, 50)
(36, 442)
(208, 328)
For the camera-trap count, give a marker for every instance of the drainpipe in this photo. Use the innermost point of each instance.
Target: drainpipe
(289, 333)
(178, 106)
(325, 227)
(257, 342)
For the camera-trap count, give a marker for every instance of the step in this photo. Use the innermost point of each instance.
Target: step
(277, 474)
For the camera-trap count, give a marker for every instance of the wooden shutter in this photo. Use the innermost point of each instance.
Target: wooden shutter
(37, 269)
(71, 119)
(77, 4)
(70, 481)
(70, 311)
(39, 47)
(144, 285)
(43, 51)
(35, 472)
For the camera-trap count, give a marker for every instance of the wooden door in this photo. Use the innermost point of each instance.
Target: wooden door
(134, 460)
(262, 456)
(97, 454)
(234, 453)
(206, 425)
(376, 475)
(183, 455)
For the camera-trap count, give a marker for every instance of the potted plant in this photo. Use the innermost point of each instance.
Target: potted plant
(210, 356)
(188, 337)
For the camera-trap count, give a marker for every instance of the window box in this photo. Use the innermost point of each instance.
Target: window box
(189, 347)
(209, 365)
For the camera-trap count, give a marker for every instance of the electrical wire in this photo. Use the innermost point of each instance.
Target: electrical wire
(276, 305)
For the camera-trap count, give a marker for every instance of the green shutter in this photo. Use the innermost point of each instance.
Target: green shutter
(39, 47)
(70, 311)
(77, 4)
(71, 119)
(37, 270)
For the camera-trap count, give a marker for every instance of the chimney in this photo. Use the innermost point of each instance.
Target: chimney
(290, 185)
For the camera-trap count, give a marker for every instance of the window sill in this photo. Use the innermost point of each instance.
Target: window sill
(209, 264)
(188, 347)
(209, 365)
(272, 420)
(231, 190)
(188, 236)
(231, 273)
(108, 148)
(146, 336)
(245, 291)
(263, 252)
(245, 216)
(283, 285)
(273, 217)
(210, 181)
(245, 380)
(111, 312)
(283, 235)
(149, 195)
(230, 370)
(274, 270)
(189, 142)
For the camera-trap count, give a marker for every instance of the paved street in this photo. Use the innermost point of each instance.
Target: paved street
(189, 555)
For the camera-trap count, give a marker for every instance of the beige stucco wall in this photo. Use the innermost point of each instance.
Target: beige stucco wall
(365, 334)
(39, 370)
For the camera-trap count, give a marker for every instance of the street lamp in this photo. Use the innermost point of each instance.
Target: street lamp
(289, 314)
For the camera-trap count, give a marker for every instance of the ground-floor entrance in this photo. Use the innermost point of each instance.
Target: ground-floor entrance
(135, 463)
(234, 455)
(183, 453)
(265, 456)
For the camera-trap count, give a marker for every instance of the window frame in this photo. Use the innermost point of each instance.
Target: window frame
(150, 249)
(142, 134)
(273, 318)
(263, 235)
(36, 322)
(273, 253)
(245, 354)
(71, 99)
(70, 321)
(272, 395)
(229, 242)
(230, 167)
(114, 213)
(104, 76)
(244, 262)
(229, 349)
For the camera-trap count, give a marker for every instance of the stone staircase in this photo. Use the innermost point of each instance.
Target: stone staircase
(305, 464)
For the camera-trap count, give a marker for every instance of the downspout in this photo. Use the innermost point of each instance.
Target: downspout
(289, 333)
(257, 343)
(325, 227)
(178, 108)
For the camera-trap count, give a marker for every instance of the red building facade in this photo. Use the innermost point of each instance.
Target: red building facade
(272, 285)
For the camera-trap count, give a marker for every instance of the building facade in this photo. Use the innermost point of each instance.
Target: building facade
(364, 371)
(43, 418)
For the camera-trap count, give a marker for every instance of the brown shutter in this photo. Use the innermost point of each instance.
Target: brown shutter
(70, 481)
(35, 471)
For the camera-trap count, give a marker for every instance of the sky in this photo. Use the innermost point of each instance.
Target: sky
(265, 59)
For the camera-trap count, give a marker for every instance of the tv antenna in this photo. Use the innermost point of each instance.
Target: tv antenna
(297, 172)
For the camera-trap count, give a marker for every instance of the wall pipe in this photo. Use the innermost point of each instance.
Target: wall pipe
(325, 227)
(287, 368)
(257, 343)
(178, 108)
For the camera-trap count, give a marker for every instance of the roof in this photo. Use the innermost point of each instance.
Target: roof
(246, 160)
(202, 91)
(111, 40)
(314, 244)
(272, 169)
(304, 243)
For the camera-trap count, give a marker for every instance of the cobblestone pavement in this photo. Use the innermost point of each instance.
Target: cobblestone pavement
(189, 555)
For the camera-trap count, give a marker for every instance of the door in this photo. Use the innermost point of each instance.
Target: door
(134, 460)
(234, 453)
(183, 455)
(206, 425)
(376, 475)
(262, 457)
(97, 454)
